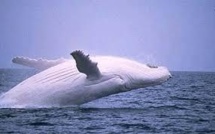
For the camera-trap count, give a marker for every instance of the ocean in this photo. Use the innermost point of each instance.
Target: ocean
(184, 104)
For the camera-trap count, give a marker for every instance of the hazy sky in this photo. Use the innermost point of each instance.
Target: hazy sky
(179, 34)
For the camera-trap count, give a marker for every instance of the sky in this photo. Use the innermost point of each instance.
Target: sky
(178, 34)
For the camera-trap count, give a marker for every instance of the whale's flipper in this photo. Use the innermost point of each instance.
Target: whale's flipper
(40, 64)
(85, 65)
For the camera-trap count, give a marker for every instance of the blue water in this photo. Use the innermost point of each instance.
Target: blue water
(184, 104)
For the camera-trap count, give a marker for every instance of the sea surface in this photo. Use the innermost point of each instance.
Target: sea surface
(184, 104)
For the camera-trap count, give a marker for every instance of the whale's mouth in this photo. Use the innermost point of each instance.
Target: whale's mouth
(133, 83)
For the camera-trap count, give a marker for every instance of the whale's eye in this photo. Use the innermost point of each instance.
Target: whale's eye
(151, 66)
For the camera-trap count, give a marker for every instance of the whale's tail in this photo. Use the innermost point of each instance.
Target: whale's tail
(40, 64)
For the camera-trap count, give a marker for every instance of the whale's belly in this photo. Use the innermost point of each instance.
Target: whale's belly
(47, 86)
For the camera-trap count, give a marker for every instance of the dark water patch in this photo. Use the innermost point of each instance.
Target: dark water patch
(186, 99)
(134, 126)
(94, 128)
(4, 116)
(40, 123)
(210, 108)
(168, 107)
(11, 132)
(205, 131)
(196, 86)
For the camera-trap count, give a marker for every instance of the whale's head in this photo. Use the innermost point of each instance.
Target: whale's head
(141, 75)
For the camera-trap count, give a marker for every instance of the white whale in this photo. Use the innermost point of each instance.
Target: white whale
(75, 82)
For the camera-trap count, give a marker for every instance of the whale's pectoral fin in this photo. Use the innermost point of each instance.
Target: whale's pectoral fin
(40, 64)
(85, 65)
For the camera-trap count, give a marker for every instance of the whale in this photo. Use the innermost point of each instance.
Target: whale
(79, 80)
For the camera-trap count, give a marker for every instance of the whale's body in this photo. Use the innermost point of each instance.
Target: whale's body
(63, 84)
